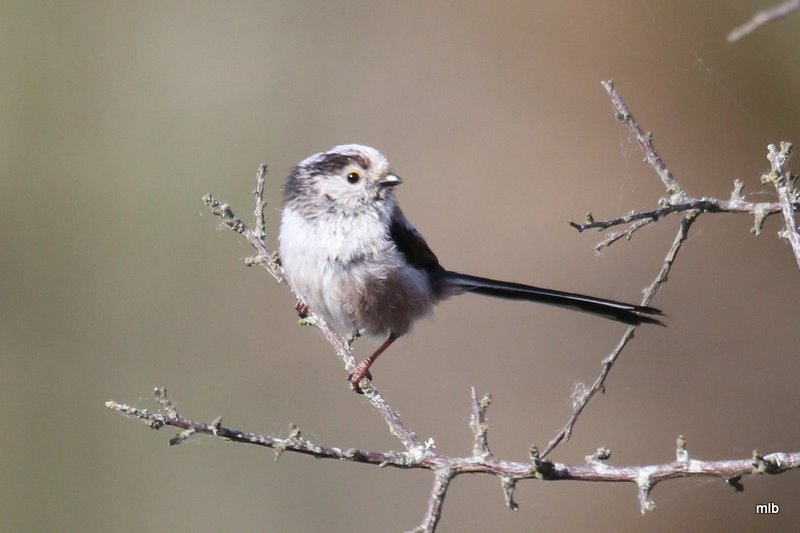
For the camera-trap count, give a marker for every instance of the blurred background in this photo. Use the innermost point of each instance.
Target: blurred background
(115, 119)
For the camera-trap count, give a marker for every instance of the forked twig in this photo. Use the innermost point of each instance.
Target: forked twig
(678, 201)
(445, 468)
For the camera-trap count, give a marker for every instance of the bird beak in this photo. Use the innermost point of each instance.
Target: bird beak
(390, 180)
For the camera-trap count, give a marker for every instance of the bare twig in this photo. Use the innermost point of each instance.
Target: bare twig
(701, 205)
(295, 442)
(788, 198)
(784, 182)
(509, 485)
(441, 481)
(261, 226)
(584, 395)
(582, 400)
(773, 13)
(677, 201)
(477, 422)
(645, 142)
(626, 234)
(446, 467)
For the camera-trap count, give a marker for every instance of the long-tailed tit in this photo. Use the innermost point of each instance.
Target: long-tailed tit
(354, 259)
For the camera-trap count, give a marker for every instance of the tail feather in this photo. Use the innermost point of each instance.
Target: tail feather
(630, 314)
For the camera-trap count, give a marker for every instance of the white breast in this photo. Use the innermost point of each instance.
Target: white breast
(352, 281)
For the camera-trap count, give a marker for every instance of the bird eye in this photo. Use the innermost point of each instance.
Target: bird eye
(353, 177)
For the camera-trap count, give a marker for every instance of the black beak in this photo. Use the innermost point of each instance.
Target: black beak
(390, 180)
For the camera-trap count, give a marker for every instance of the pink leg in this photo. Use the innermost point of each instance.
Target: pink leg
(362, 370)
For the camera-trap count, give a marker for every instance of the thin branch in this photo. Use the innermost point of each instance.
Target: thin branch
(645, 142)
(478, 425)
(257, 241)
(626, 234)
(702, 205)
(295, 442)
(771, 14)
(678, 201)
(447, 467)
(509, 485)
(784, 182)
(585, 396)
(582, 395)
(261, 225)
(441, 482)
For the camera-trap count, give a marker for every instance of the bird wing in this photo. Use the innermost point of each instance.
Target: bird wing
(410, 242)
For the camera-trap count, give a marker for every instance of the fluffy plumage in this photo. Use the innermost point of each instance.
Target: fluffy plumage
(355, 259)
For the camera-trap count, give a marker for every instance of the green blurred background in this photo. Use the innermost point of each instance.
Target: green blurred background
(116, 117)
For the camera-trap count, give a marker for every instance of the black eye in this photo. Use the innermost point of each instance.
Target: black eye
(353, 177)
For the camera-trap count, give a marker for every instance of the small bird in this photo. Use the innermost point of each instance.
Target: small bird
(353, 257)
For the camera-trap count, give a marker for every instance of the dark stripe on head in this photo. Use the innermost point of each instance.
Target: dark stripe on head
(302, 177)
(334, 162)
(295, 186)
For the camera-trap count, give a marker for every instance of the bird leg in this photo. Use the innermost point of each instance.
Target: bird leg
(361, 371)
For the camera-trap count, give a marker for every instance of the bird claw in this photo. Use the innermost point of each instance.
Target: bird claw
(359, 373)
(302, 309)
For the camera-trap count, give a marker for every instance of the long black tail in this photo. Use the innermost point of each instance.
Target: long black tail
(630, 314)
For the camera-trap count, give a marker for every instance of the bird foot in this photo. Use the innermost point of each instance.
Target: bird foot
(360, 372)
(302, 309)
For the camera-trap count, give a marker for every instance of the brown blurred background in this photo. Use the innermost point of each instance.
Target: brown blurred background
(116, 117)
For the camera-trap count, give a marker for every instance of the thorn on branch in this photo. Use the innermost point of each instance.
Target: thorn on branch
(735, 482)
(478, 425)
(509, 484)
(645, 487)
(540, 468)
(784, 183)
(165, 403)
(759, 216)
(602, 454)
(280, 447)
(762, 465)
(736, 194)
(777, 159)
(681, 453)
